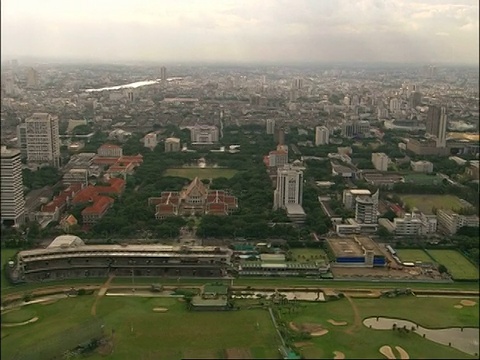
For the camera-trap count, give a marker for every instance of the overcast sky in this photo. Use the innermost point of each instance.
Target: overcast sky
(433, 31)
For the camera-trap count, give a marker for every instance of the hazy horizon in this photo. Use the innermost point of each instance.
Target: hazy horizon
(233, 32)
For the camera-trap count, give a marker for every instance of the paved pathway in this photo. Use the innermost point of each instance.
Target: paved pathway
(101, 293)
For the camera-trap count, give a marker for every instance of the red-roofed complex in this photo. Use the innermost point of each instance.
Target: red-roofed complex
(193, 199)
(100, 202)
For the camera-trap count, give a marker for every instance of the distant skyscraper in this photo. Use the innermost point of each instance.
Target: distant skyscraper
(394, 105)
(415, 99)
(279, 136)
(436, 124)
(163, 73)
(22, 139)
(289, 186)
(297, 83)
(43, 140)
(32, 79)
(322, 135)
(12, 201)
(270, 126)
(442, 128)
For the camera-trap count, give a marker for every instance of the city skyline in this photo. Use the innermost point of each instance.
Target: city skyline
(306, 31)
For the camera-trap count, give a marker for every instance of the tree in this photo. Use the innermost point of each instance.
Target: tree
(442, 269)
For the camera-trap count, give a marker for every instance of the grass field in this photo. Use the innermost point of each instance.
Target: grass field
(307, 255)
(202, 173)
(458, 266)
(423, 179)
(412, 255)
(361, 342)
(140, 333)
(425, 203)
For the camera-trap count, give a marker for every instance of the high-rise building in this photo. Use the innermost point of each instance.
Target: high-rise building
(163, 73)
(415, 99)
(366, 209)
(394, 105)
(12, 201)
(436, 124)
(380, 161)
(289, 186)
(43, 139)
(270, 126)
(297, 83)
(442, 128)
(322, 135)
(172, 144)
(279, 136)
(22, 139)
(32, 79)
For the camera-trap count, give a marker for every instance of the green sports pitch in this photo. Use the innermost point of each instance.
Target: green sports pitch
(426, 203)
(457, 265)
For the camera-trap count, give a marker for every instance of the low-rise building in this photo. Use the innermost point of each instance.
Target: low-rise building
(150, 141)
(380, 161)
(422, 166)
(449, 221)
(110, 150)
(172, 145)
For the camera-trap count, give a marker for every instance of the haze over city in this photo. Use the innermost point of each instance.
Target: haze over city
(296, 31)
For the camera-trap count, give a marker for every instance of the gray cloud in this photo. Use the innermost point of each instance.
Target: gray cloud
(250, 30)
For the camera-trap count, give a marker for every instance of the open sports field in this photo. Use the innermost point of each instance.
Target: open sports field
(413, 255)
(425, 203)
(141, 333)
(201, 173)
(356, 341)
(423, 179)
(458, 266)
(308, 254)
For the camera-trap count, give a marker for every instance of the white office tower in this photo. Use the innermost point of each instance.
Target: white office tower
(270, 126)
(380, 161)
(394, 105)
(366, 209)
(442, 128)
(43, 139)
(322, 135)
(289, 186)
(12, 200)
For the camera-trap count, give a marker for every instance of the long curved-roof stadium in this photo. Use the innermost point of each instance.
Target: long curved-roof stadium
(67, 257)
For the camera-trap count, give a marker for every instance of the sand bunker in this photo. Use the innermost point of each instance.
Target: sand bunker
(312, 329)
(458, 306)
(337, 323)
(160, 309)
(468, 303)
(386, 351)
(32, 320)
(402, 352)
(339, 355)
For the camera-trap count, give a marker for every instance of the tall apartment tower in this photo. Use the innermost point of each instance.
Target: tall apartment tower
(22, 139)
(442, 128)
(163, 73)
(43, 139)
(270, 126)
(322, 135)
(380, 161)
(32, 79)
(436, 124)
(289, 186)
(12, 201)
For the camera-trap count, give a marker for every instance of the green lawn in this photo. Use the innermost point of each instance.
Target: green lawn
(361, 342)
(413, 255)
(458, 266)
(307, 255)
(425, 203)
(423, 179)
(202, 173)
(140, 333)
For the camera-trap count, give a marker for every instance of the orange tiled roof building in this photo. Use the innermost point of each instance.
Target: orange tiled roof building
(194, 199)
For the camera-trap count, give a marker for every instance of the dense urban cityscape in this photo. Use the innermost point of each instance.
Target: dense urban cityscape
(210, 180)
